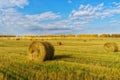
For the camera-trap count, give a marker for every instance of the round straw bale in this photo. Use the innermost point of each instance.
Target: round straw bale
(111, 47)
(41, 51)
(59, 43)
(17, 38)
(50, 50)
(84, 40)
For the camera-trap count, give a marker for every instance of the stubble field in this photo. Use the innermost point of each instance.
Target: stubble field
(75, 59)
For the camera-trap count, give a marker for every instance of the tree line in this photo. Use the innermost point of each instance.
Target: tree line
(70, 36)
(79, 35)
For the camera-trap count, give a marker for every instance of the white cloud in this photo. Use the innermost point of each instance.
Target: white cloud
(86, 11)
(115, 23)
(93, 12)
(69, 1)
(13, 3)
(116, 3)
(13, 20)
(43, 16)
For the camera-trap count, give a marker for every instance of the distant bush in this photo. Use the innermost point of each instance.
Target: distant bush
(62, 35)
(71, 35)
(115, 35)
(88, 35)
(105, 35)
(7, 36)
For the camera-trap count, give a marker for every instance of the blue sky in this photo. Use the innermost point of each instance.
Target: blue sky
(41, 17)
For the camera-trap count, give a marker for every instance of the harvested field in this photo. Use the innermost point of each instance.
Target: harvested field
(75, 60)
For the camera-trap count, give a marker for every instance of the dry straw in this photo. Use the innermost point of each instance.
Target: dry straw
(41, 51)
(111, 47)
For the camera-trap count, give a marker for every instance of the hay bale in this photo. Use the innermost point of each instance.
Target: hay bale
(111, 47)
(50, 50)
(59, 43)
(41, 51)
(17, 39)
(84, 40)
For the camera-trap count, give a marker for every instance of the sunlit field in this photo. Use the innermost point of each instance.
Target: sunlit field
(75, 59)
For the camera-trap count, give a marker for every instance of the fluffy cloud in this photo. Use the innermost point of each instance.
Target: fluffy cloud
(13, 3)
(69, 1)
(115, 23)
(44, 16)
(86, 11)
(116, 3)
(15, 21)
(92, 12)
(11, 17)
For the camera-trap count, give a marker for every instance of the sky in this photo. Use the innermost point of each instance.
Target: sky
(53, 17)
